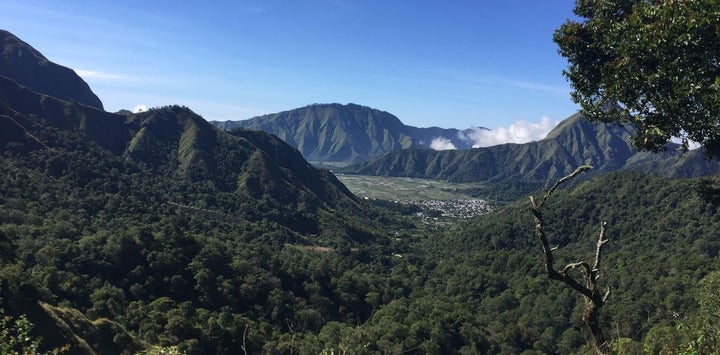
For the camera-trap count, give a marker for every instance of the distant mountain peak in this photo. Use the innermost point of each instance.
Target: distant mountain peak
(337, 133)
(563, 126)
(25, 65)
(14, 48)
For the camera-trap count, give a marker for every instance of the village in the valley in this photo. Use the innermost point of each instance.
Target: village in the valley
(461, 208)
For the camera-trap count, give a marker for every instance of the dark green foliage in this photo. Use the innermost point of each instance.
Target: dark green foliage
(709, 190)
(180, 262)
(178, 259)
(177, 217)
(155, 229)
(658, 251)
(111, 242)
(650, 63)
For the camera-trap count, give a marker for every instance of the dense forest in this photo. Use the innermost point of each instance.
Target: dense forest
(169, 261)
(127, 242)
(156, 232)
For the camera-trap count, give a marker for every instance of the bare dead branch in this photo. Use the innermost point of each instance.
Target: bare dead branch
(577, 171)
(601, 241)
(571, 266)
(588, 288)
(244, 340)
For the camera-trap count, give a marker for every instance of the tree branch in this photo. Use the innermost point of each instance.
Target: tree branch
(577, 171)
(601, 241)
(571, 266)
(593, 300)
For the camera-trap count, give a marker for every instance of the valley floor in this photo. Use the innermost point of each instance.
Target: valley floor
(436, 199)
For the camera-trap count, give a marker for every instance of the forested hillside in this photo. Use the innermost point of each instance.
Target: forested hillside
(186, 220)
(156, 231)
(663, 239)
(171, 262)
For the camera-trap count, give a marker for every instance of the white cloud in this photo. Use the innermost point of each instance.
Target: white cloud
(692, 145)
(440, 143)
(519, 132)
(91, 74)
(139, 108)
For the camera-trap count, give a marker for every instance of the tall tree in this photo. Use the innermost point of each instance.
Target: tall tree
(650, 63)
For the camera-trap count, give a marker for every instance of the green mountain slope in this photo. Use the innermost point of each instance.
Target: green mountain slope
(173, 141)
(25, 65)
(573, 143)
(176, 140)
(21, 109)
(161, 206)
(345, 133)
(662, 241)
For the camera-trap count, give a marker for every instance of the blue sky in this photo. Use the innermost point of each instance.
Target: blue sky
(456, 64)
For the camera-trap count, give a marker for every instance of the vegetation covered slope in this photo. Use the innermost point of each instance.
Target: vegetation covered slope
(176, 262)
(345, 133)
(211, 197)
(21, 110)
(170, 232)
(573, 143)
(177, 141)
(22, 63)
(663, 241)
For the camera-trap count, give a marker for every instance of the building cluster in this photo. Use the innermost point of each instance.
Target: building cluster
(466, 208)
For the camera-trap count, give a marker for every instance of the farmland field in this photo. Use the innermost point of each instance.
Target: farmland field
(404, 188)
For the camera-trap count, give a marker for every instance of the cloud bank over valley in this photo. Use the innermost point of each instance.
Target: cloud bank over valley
(520, 131)
(441, 143)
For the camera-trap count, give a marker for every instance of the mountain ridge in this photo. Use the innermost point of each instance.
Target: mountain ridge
(28, 67)
(23, 105)
(345, 133)
(172, 140)
(574, 142)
